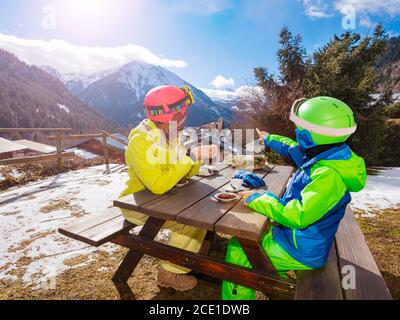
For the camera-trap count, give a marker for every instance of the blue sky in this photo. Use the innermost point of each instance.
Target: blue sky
(197, 39)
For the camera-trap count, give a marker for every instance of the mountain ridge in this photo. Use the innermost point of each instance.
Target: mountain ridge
(33, 98)
(389, 65)
(119, 93)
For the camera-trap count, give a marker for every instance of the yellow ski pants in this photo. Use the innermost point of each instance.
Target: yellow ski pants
(182, 237)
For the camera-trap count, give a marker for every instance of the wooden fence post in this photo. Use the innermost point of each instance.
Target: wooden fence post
(106, 152)
(59, 151)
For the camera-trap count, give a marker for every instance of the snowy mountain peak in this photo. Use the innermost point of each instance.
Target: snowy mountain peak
(119, 93)
(78, 82)
(139, 77)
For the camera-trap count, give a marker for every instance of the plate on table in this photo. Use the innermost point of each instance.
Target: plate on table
(182, 183)
(207, 171)
(227, 197)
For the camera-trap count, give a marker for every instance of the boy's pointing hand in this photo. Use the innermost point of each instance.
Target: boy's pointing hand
(262, 135)
(246, 194)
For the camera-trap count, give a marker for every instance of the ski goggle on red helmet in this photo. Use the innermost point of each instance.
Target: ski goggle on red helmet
(163, 103)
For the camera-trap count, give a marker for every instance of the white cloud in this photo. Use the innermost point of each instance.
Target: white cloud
(366, 22)
(316, 9)
(206, 7)
(67, 57)
(220, 82)
(364, 8)
(388, 7)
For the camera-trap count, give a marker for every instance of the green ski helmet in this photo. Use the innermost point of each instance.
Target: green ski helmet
(326, 120)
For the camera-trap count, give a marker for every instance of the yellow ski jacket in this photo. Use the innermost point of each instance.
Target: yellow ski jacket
(154, 164)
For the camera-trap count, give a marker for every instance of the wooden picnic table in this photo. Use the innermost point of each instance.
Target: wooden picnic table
(193, 205)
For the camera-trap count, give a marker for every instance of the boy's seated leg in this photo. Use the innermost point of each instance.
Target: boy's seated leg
(231, 291)
(279, 258)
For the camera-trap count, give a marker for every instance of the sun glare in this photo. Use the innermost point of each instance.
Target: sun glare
(95, 18)
(89, 8)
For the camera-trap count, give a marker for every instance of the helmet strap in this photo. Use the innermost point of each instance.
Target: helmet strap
(189, 95)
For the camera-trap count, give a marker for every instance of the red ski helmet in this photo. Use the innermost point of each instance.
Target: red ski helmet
(163, 103)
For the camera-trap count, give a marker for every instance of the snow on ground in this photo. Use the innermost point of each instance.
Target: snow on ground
(382, 192)
(16, 174)
(31, 215)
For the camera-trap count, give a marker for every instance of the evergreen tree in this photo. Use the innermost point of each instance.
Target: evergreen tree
(386, 98)
(292, 59)
(280, 92)
(344, 68)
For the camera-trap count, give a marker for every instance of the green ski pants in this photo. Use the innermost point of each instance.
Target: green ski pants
(278, 256)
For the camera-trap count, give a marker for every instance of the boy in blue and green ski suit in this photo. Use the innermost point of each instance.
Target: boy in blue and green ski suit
(308, 215)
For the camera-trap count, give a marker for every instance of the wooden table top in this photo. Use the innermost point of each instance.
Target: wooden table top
(195, 205)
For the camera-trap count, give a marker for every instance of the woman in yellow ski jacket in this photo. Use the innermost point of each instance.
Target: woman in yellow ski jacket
(157, 161)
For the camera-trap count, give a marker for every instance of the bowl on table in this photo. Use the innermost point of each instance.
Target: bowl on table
(227, 197)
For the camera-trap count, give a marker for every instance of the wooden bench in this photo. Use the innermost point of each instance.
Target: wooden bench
(194, 205)
(349, 254)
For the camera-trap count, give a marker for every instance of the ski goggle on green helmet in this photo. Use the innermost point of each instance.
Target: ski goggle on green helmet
(327, 120)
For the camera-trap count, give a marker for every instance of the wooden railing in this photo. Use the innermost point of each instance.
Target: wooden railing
(35, 130)
(58, 138)
(103, 135)
(21, 160)
(58, 155)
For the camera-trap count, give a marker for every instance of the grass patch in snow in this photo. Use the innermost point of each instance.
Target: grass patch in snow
(382, 233)
(55, 205)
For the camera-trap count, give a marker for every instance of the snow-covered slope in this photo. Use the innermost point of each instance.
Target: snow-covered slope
(381, 192)
(31, 249)
(31, 215)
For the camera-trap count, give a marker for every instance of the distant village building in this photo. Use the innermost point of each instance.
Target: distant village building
(90, 148)
(36, 148)
(9, 149)
(23, 148)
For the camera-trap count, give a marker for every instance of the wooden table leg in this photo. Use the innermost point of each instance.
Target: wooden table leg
(259, 259)
(272, 284)
(150, 230)
(207, 243)
(256, 255)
